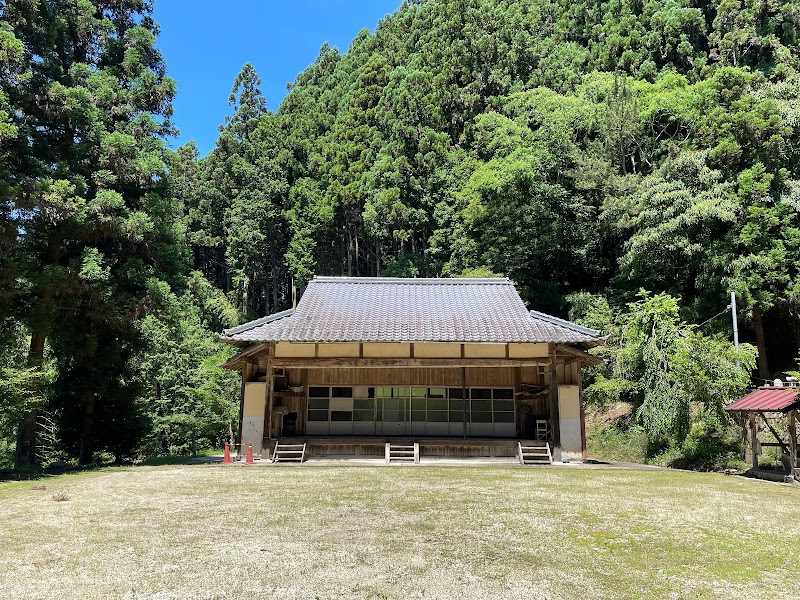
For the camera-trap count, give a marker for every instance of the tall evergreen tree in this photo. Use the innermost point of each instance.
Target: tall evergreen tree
(96, 228)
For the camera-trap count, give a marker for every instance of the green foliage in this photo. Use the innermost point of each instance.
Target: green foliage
(615, 444)
(710, 445)
(664, 367)
(184, 392)
(21, 386)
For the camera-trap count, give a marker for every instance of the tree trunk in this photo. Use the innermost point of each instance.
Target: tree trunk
(245, 300)
(758, 325)
(87, 428)
(358, 270)
(25, 452)
(274, 271)
(349, 251)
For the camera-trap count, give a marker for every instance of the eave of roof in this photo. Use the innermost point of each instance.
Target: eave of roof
(238, 360)
(258, 322)
(767, 399)
(564, 323)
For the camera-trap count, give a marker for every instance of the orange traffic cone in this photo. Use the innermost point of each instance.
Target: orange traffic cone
(227, 457)
(249, 459)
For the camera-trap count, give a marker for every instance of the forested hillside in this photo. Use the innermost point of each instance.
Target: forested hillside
(585, 150)
(570, 146)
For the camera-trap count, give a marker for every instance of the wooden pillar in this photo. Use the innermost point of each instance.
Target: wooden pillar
(555, 425)
(745, 444)
(269, 399)
(582, 412)
(753, 439)
(793, 439)
(464, 398)
(245, 377)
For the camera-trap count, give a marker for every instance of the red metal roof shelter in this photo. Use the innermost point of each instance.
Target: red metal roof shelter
(771, 399)
(763, 400)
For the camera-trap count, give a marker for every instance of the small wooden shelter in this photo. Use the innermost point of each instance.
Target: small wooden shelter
(458, 366)
(775, 401)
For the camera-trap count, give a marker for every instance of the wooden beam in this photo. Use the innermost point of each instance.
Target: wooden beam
(753, 439)
(589, 359)
(239, 360)
(782, 444)
(403, 363)
(793, 439)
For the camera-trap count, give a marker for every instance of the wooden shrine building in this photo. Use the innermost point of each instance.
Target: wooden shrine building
(361, 361)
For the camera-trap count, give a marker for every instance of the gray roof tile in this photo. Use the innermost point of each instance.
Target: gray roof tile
(371, 309)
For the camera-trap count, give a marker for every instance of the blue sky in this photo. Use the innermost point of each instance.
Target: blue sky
(205, 44)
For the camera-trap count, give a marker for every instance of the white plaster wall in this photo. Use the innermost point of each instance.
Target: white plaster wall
(252, 431)
(570, 423)
(571, 450)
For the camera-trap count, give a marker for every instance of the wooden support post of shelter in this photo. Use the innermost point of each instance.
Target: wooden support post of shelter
(754, 440)
(745, 443)
(793, 440)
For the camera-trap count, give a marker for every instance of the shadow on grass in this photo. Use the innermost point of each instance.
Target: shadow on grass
(204, 457)
(6, 476)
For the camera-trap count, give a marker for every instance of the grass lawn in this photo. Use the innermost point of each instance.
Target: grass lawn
(209, 531)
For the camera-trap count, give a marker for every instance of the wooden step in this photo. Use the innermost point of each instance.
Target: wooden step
(534, 455)
(289, 452)
(402, 453)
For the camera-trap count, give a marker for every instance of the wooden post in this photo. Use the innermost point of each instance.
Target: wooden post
(745, 446)
(245, 377)
(793, 439)
(584, 451)
(753, 440)
(464, 398)
(269, 400)
(555, 425)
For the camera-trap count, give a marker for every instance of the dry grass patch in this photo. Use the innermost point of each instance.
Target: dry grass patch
(427, 532)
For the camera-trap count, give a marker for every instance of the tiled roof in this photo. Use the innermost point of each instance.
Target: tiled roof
(770, 399)
(252, 324)
(371, 309)
(561, 330)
